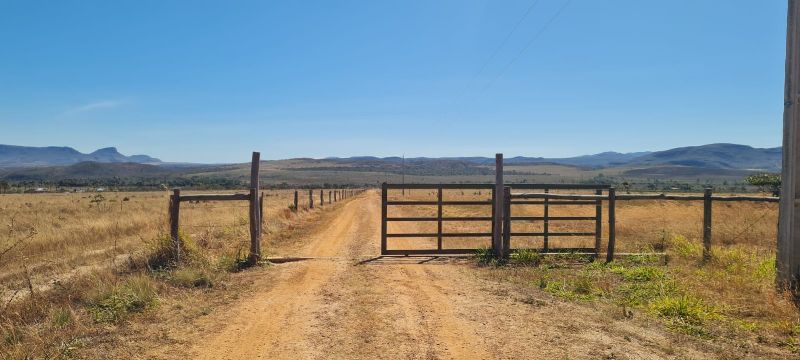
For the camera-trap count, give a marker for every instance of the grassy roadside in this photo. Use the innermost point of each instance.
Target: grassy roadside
(124, 311)
(730, 299)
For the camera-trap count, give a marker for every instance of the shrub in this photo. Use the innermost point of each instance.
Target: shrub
(137, 294)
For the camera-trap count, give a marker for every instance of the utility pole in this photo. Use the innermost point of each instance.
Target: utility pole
(788, 257)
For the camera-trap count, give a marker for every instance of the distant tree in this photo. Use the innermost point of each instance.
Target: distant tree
(4, 186)
(764, 181)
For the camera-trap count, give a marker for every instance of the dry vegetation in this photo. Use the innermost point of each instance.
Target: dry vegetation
(730, 298)
(75, 267)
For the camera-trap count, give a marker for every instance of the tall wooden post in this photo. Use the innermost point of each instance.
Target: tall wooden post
(612, 223)
(497, 232)
(310, 199)
(707, 224)
(507, 221)
(255, 210)
(321, 197)
(174, 220)
(296, 204)
(384, 213)
(788, 257)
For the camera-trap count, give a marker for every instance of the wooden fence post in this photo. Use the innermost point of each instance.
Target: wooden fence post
(295, 201)
(384, 213)
(707, 224)
(598, 222)
(174, 220)
(330, 198)
(497, 241)
(310, 198)
(507, 221)
(321, 197)
(255, 210)
(612, 201)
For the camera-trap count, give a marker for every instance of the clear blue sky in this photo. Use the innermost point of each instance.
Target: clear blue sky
(207, 81)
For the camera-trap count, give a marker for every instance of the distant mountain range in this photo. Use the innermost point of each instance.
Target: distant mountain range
(26, 156)
(712, 156)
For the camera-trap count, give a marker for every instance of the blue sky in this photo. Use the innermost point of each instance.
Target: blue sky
(210, 81)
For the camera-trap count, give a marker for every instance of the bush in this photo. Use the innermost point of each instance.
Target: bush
(113, 304)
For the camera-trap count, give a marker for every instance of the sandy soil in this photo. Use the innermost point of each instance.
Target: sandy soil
(346, 303)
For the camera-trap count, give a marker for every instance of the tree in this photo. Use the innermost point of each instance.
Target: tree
(766, 181)
(4, 186)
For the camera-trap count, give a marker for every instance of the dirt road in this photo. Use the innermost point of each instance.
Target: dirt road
(340, 306)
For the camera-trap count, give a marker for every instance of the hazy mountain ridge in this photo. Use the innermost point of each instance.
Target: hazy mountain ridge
(29, 156)
(712, 156)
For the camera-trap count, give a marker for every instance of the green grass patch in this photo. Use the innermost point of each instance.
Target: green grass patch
(525, 257)
(114, 303)
(686, 313)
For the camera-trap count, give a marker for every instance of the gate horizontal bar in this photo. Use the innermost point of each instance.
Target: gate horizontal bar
(440, 186)
(476, 218)
(396, 202)
(539, 218)
(553, 202)
(552, 234)
(433, 235)
(430, 252)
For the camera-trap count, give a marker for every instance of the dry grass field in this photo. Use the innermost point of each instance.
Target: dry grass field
(72, 261)
(99, 291)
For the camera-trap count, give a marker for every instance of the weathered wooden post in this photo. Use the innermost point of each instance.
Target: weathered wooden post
(296, 204)
(598, 222)
(507, 221)
(788, 257)
(321, 197)
(612, 226)
(707, 224)
(384, 211)
(310, 199)
(334, 195)
(497, 240)
(174, 219)
(255, 207)
(330, 197)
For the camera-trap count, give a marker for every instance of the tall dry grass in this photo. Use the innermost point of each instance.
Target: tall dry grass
(75, 266)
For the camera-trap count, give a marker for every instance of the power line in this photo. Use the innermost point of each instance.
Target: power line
(503, 43)
(528, 45)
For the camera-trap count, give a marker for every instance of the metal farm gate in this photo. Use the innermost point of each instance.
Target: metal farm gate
(513, 218)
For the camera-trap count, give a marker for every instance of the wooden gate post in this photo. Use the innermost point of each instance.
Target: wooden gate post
(174, 219)
(507, 221)
(310, 198)
(384, 213)
(255, 210)
(788, 256)
(707, 224)
(296, 204)
(612, 218)
(497, 240)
